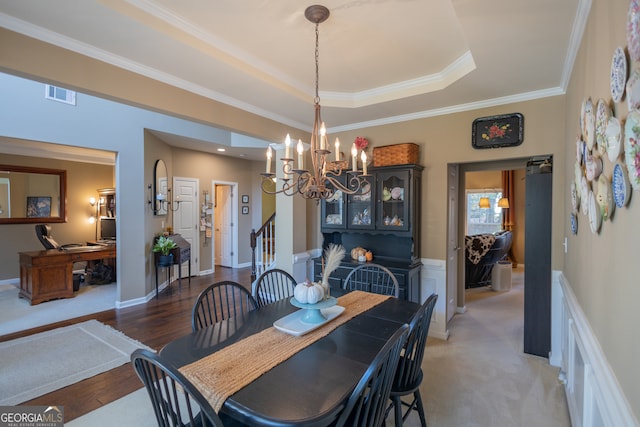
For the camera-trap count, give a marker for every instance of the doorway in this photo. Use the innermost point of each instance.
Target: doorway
(457, 220)
(225, 220)
(185, 220)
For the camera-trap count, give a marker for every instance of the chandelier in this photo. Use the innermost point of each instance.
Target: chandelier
(327, 173)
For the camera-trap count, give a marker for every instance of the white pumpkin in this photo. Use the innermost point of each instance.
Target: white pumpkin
(308, 293)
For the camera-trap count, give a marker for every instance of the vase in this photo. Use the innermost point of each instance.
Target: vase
(327, 289)
(165, 260)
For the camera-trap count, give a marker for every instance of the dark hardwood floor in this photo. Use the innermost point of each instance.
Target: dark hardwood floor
(155, 324)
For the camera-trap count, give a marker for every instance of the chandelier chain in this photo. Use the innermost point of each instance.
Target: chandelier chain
(316, 100)
(328, 174)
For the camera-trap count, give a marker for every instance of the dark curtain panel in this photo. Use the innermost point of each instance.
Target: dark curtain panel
(508, 215)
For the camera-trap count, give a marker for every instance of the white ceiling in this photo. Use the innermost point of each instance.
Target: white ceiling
(381, 61)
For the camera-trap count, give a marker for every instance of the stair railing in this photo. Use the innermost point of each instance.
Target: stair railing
(263, 247)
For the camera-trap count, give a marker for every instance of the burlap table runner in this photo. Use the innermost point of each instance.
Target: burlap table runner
(226, 371)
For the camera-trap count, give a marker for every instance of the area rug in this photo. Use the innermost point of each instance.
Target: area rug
(17, 314)
(44, 362)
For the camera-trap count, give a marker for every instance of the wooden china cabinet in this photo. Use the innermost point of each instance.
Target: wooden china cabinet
(383, 218)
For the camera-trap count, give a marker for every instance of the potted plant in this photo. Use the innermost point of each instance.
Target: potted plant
(164, 245)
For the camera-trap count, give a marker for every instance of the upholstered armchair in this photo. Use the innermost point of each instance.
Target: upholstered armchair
(482, 251)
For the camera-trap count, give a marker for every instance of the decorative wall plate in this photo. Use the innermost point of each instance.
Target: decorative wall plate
(595, 216)
(575, 197)
(614, 138)
(633, 90)
(589, 131)
(580, 149)
(578, 174)
(604, 197)
(602, 120)
(632, 148)
(583, 107)
(593, 166)
(584, 196)
(633, 30)
(574, 222)
(618, 74)
(620, 185)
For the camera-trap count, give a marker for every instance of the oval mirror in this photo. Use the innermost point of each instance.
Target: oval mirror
(160, 189)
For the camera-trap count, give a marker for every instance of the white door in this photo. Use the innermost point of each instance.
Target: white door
(185, 219)
(224, 225)
(453, 246)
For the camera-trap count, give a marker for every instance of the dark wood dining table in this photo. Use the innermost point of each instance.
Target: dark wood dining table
(311, 387)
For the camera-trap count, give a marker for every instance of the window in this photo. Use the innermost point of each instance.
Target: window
(483, 220)
(60, 94)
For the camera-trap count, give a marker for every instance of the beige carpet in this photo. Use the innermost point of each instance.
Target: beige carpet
(40, 363)
(481, 377)
(17, 314)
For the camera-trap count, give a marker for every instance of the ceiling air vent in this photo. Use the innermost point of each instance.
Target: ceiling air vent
(59, 94)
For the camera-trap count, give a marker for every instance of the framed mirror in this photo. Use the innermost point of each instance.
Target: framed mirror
(32, 195)
(160, 182)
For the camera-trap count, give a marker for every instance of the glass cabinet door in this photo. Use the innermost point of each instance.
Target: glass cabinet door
(333, 212)
(360, 207)
(393, 196)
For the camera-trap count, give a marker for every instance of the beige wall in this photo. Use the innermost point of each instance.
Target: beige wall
(82, 182)
(207, 167)
(446, 140)
(601, 268)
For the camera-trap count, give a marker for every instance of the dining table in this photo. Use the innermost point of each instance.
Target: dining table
(308, 388)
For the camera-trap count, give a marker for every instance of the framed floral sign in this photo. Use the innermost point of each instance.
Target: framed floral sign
(506, 130)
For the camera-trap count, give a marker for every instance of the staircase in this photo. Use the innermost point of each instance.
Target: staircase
(263, 248)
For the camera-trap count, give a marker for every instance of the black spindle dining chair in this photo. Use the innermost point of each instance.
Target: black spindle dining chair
(176, 402)
(273, 285)
(408, 376)
(374, 278)
(367, 404)
(221, 301)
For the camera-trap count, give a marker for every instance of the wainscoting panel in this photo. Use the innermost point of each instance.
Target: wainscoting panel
(434, 280)
(593, 392)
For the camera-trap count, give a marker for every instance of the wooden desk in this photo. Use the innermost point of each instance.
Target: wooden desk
(313, 384)
(48, 274)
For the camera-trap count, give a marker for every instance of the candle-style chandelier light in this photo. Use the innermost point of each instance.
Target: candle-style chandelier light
(326, 175)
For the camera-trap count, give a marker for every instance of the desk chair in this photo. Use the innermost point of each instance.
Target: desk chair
(373, 278)
(408, 376)
(367, 404)
(273, 285)
(176, 402)
(221, 301)
(43, 231)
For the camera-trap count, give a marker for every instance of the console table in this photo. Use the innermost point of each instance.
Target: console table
(48, 274)
(181, 254)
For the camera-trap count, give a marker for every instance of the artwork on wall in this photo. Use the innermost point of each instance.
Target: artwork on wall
(245, 210)
(38, 207)
(245, 198)
(505, 130)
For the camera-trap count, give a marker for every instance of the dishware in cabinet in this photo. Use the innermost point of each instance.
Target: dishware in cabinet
(361, 208)
(333, 212)
(393, 195)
